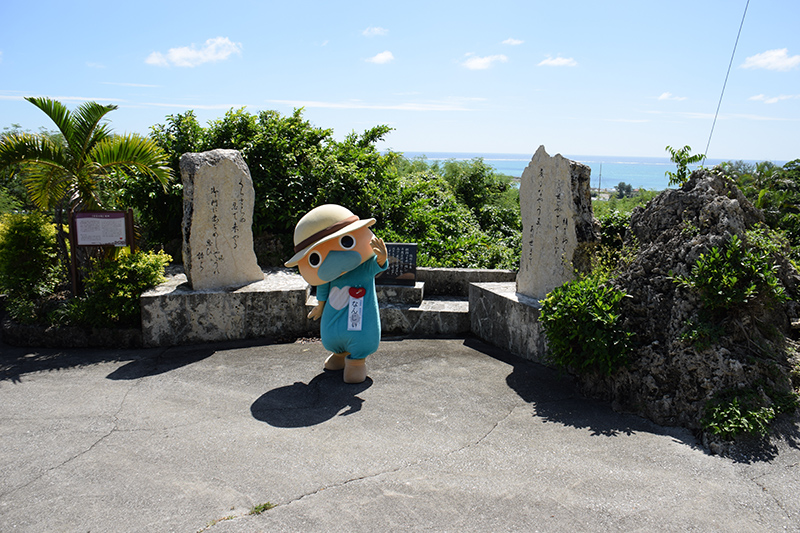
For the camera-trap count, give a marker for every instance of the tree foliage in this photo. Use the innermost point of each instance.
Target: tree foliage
(13, 194)
(683, 157)
(79, 169)
(624, 190)
(773, 189)
(28, 255)
(461, 213)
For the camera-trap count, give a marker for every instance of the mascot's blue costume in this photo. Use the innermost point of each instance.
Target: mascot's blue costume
(336, 252)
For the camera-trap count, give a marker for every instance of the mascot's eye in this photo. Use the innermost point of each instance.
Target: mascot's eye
(314, 259)
(347, 241)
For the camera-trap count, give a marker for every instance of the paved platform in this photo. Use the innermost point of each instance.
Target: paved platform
(445, 435)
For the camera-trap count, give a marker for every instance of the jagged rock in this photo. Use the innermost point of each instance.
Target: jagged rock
(670, 379)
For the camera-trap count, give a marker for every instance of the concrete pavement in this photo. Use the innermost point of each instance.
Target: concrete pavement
(445, 435)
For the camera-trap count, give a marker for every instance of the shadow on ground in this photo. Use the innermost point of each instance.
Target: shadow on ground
(556, 399)
(17, 362)
(162, 362)
(309, 404)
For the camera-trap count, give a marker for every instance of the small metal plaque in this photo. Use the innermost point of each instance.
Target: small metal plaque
(402, 265)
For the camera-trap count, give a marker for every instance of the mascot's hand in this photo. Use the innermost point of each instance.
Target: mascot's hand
(379, 247)
(316, 313)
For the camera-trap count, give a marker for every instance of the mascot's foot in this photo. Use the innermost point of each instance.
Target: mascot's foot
(355, 370)
(335, 361)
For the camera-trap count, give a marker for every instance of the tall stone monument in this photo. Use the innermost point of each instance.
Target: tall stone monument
(557, 223)
(218, 200)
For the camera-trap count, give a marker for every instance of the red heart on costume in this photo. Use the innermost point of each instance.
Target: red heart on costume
(357, 292)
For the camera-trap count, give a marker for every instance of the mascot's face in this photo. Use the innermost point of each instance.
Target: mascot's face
(328, 260)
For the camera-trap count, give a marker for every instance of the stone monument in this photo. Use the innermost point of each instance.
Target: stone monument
(218, 200)
(557, 223)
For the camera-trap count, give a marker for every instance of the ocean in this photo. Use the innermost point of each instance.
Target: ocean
(607, 171)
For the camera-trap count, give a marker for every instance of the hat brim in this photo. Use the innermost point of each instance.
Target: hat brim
(358, 224)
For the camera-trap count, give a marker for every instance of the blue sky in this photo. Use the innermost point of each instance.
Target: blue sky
(581, 77)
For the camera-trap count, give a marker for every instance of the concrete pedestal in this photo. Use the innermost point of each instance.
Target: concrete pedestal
(278, 306)
(501, 316)
(173, 313)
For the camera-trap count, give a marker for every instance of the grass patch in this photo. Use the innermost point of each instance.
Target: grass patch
(258, 509)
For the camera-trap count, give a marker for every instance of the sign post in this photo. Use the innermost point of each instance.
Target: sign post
(98, 228)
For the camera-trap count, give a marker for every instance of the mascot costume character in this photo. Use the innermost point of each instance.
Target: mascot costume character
(336, 252)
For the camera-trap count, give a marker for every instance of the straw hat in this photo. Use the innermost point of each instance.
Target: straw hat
(322, 224)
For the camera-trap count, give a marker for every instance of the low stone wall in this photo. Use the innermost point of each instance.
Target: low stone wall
(173, 313)
(456, 281)
(507, 319)
(277, 308)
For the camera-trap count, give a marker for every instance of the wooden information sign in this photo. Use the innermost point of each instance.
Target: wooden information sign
(98, 228)
(102, 228)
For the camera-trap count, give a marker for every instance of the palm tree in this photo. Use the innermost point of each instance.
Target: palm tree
(75, 175)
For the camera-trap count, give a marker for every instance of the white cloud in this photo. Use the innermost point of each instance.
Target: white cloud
(447, 105)
(558, 62)
(772, 60)
(173, 105)
(513, 42)
(62, 99)
(217, 49)
(709, 116)
(383, 57)
(474, 62)
(121, 84)
(375, 31)
(773, 99)
(670, 96)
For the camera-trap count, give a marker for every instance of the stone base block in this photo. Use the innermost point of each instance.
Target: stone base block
(173, 313)
(502, 317)
(456, 281)
(433, 317)
(437, 316)
(401, 294)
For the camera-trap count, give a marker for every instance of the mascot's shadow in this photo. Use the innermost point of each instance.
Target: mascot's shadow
(302, 405)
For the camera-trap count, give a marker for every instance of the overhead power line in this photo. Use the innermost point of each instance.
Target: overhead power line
(705, 153)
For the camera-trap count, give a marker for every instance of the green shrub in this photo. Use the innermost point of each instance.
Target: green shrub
(421, 208)
(734, 275)
(29, 265)
(583, 325)
(602, 208)
(113, 289)
(738, 412)
(613, 227)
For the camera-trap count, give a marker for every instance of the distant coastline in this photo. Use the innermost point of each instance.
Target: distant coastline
(607, 171)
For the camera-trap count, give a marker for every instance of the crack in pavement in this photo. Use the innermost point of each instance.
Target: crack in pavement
(374, 475)
(402, 467)
(765, 489)
(100, 439)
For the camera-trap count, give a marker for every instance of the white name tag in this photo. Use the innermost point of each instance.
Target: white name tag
(355, 314)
